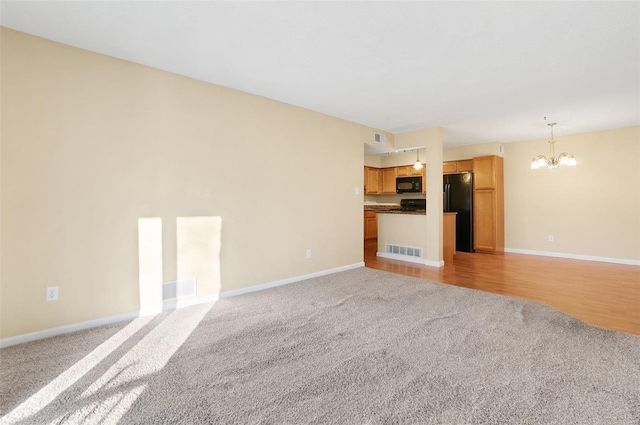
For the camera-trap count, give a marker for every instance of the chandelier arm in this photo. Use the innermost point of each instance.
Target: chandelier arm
(552, 162)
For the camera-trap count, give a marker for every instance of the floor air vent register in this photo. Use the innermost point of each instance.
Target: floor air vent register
(178, 289)
(403, 250)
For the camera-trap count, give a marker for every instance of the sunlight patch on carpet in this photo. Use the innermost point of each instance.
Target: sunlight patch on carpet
(109, 397)
(69, 377)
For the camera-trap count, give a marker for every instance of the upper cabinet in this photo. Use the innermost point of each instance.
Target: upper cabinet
(408, 170)
(449, 167)
(371, 180)
(454, 167)
(486, 170)
(388, 180)
(465, 166)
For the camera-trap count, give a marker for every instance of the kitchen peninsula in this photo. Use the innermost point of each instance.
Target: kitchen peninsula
(402, 232)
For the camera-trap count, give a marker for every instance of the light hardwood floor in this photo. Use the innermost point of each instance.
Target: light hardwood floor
(601, 294)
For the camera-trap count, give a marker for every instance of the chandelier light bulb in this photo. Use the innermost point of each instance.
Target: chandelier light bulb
(553, 161)
(418, 164)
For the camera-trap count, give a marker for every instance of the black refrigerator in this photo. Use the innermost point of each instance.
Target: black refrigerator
(458, 197)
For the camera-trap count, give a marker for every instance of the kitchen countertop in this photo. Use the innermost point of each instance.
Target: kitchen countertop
(375, 206)
(381, 207)
(391, 209)
(399, 211)
(395, 209)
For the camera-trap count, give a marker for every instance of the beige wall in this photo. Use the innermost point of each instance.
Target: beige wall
(394, 159)
(91, 144)
(373, 161)
(471, 151)
(402, 158)
(592, 209)
(402, 229)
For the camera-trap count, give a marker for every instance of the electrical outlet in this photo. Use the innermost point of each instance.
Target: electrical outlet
(550, 238)
(308, 253)
(357, 190)
(52, 293)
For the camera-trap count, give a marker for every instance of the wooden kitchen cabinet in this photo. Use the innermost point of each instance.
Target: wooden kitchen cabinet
(465, 166)
(488, 204)
(454, 167)
(485, 222)
(371, 180)
(449, 167)
(388, 180)
(486, 170)
(448, 237)
(403, 171)
(370, 226)
(408, 170)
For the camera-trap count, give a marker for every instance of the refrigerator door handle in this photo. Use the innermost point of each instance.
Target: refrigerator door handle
(444, 197)
(447, 197)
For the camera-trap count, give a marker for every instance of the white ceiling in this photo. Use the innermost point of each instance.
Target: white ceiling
(484, 71)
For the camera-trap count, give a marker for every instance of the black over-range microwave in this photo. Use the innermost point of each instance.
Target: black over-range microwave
(408, 184)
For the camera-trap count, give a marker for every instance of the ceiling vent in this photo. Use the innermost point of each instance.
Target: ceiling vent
(378, 138)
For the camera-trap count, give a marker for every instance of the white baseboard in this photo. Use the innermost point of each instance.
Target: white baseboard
(175, 304)
(268, 285)
(172, 305)
(434, 263)
(74, 327)
(410, 259)
(574, 256)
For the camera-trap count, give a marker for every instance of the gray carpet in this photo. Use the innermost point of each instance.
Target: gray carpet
(359, 347)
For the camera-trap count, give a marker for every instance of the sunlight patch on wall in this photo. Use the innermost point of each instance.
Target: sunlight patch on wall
(150, 265)
(198, 253)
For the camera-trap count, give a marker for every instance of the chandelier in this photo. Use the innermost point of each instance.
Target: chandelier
(553, 161)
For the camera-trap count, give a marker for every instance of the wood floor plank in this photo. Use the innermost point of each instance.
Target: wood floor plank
(601, 294)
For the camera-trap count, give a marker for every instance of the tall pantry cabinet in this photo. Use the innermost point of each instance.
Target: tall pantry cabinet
(488, 199)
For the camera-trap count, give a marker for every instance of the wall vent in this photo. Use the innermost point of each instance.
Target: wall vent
(409, 251)
(179, 289)
(379, 138)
